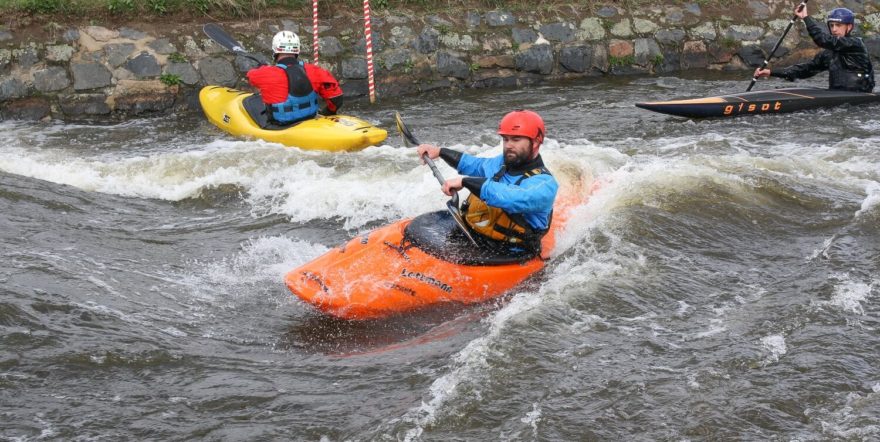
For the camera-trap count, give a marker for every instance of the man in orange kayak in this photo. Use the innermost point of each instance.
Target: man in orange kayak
(512, 194)
(290, 89)
(844, 57)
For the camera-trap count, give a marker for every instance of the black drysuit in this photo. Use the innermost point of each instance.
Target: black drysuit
(845, 58)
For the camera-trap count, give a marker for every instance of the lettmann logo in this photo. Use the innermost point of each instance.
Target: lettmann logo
(427, 280)
(309, 276)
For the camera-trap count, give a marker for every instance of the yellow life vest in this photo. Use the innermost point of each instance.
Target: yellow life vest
(495, 223)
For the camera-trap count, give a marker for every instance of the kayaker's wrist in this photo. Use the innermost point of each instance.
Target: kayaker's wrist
(452, 157)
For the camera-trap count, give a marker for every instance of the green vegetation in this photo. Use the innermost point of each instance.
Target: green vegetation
(626, 60)
(158, 6)
(177, 57)
(729, 43)
(657, 60)
(408, 66)
(170, 79)
(867, 26)
(149, 8)
(120, 6)
(37, 6)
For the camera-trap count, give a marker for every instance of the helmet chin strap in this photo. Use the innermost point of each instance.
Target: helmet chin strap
(535, 147)
(281, 55)
(536, 144)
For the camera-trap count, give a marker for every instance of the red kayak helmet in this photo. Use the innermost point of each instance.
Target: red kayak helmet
(523, 123)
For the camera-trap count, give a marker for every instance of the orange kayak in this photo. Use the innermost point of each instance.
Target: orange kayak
(413, 264)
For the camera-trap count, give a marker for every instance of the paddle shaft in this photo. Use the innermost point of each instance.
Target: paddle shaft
(767, 60)
(452, 204)
(434, 170)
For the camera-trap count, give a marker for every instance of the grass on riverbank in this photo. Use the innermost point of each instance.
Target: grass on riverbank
(152, 10)
(144, 8)
(237, 8)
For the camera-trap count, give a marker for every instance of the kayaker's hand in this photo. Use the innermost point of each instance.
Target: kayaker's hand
(430, 149)
(802, 12)
(452, 185)
(762, 73)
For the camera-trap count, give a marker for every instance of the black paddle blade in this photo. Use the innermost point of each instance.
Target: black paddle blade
(216, 33)
(408, 138)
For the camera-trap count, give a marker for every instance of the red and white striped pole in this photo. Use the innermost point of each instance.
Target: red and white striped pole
(368, 38)
(314, 31)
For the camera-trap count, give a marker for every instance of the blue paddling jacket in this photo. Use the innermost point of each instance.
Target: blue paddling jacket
(532, 197)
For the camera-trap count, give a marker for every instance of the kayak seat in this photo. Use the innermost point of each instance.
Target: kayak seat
(255, 107)
(437, 234)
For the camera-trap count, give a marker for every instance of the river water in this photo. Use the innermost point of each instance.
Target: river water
(722, 283)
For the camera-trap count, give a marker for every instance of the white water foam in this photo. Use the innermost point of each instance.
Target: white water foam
(871, 202)
(168, 176)
(855, 419)
(533, 418)
(379, 183)
(775, 344)
(849, 294)
(263, 260)
(307, 191)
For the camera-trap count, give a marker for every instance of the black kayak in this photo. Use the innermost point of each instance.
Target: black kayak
(774, 101)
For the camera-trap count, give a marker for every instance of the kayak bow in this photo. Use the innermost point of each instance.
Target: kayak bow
(760, 102)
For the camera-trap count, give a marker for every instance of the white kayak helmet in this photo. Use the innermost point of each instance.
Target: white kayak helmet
(285, 42)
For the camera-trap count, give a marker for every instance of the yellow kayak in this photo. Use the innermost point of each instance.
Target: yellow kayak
(239, 112)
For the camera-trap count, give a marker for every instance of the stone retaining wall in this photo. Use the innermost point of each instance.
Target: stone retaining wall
(94, 72)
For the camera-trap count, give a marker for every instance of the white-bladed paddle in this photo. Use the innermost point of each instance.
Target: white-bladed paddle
(452, 205)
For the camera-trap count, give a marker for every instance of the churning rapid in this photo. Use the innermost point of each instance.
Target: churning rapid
(720, 283)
